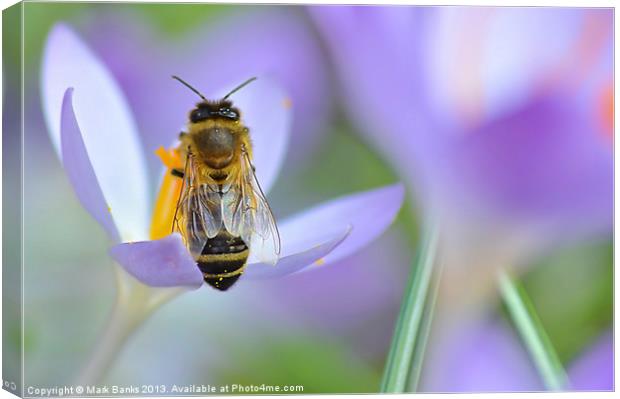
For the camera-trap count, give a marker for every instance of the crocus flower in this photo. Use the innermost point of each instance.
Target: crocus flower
(499, 120)
(95, 135)
(502, 131)
(488, 357)
(484, 356)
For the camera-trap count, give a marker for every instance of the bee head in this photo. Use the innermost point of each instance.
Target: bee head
(214, 109)
(211, 110)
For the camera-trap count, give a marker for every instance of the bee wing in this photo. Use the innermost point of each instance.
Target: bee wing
(198, 216)
(246, 213)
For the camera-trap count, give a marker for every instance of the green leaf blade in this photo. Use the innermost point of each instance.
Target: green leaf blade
(533, 334)
(407, 337)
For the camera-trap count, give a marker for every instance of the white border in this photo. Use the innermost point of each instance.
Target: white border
(547, 3)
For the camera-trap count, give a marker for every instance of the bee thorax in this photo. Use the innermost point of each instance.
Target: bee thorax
(216, 146)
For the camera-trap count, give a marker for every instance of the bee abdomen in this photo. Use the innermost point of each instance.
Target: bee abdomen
(224, 243)
(222, 260)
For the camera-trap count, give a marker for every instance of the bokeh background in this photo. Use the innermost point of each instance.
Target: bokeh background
(328, 330)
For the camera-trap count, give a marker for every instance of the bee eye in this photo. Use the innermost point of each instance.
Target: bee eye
(229, 113)
(199, 114)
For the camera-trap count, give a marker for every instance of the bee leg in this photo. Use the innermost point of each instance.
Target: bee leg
(177, 173)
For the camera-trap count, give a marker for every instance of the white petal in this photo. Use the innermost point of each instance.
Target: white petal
(295, 261)
(80, 171)
(369, 213)
(109, 132)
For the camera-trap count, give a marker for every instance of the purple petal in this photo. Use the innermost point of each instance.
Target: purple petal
(478, 64)
(386, 43)
(482, 357)
(294, 262)
(544, 163)
(160, 263)
(594, 370)
(368, 214)
(79, 169)
(483, 63)
(108, 130)
(354, 301)
(451, 153)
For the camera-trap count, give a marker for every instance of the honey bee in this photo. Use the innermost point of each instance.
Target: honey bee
(221, 213)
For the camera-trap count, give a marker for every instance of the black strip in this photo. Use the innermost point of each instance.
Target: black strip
(218, 266)
(224, 243)
(177, 173)
(223, 284)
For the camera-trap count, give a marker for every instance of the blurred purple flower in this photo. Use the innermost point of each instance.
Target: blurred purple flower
(356, 302)
(500, 120)
(95, 136)
(484, 356)
(593, 370)
(494, 115)
(489, 357)
(271, 42)
(502, 131)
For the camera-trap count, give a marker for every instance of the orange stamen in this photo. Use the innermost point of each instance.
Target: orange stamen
(168, 196)
(170, 158)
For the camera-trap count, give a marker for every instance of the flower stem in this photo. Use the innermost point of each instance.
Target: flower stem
(532, 333)
(135, 302)
(425, 329)
(407, 337)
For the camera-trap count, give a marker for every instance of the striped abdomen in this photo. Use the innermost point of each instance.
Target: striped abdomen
(223, 259)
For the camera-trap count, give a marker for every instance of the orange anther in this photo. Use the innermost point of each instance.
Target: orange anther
(170, 158)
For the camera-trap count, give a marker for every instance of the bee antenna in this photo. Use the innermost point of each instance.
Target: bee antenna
(242, 85)
(189, 86)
